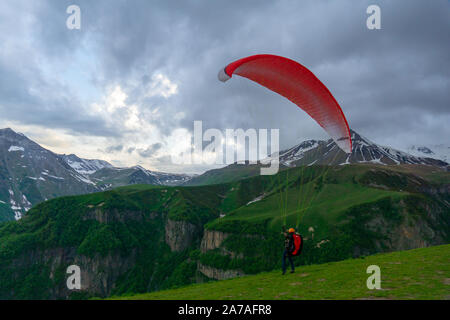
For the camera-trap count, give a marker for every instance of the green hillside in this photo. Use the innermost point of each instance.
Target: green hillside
(145, 238)
(226, 174)
(350, 211)
(415, 274)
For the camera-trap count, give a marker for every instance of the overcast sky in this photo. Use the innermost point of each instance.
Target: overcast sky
(128, 85)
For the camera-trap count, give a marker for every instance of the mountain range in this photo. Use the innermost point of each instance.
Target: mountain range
(30, 174)
(363, 151)
(321, 152)
(437, 151)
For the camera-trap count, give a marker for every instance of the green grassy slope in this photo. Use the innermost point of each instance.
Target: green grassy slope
(414, 274)
(315, 194)
(346, 212)
(321, 209)
(226, 174)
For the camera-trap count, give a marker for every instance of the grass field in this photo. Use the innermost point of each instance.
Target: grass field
(415, 274)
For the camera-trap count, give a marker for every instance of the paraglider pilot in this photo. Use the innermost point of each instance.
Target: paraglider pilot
(289, 248)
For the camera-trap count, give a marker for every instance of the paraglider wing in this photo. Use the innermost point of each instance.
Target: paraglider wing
(296, 83)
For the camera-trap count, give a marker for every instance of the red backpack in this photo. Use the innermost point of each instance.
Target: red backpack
(298, 243)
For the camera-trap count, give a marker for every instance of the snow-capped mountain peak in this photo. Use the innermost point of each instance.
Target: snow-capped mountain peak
(363, 151)
(436, 151)
(85, 166)
(30, 174)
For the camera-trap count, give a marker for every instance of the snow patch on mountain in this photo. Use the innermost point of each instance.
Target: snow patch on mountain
(297, 152)
(85, 166)
(15, 148)
(82, 178)
(437, 151)
(259, 198)
(50, 176)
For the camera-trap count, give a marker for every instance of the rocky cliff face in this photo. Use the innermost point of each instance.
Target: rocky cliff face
(114, 215)
(414, 230)
(180, 235)
(212, 239)
(218, 274)
(98, 274)
(394, 224)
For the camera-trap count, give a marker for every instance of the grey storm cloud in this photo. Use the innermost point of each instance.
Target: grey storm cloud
(393, 84)
(150, 151)
(112, 149)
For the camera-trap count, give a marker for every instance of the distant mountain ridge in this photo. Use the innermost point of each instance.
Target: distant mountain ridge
(320, 152)
(437, 151)
(85, 166)
(111, 177)
(30, 174)
(106, 176)
(363, 151)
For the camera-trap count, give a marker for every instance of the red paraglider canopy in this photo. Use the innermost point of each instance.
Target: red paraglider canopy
(296, 83)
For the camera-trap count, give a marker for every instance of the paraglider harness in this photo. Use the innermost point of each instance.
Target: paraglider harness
(294, 244)
(298, 244)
